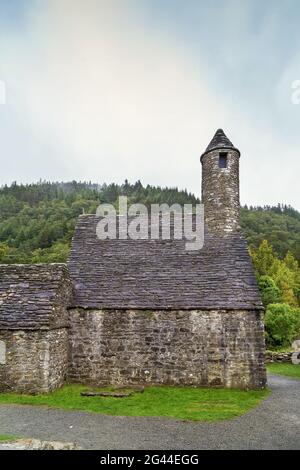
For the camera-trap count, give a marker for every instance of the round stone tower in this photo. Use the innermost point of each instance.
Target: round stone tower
(220, 185)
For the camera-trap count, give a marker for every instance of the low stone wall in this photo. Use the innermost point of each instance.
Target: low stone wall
(273, 356)
(35, 361)
(207, 348)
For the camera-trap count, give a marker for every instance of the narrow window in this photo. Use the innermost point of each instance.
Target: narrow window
(222, 160)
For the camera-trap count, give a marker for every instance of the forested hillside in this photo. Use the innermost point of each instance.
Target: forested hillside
(37, 223)
(279, 225)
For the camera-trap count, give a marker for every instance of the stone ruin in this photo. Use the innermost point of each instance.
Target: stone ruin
(140, 311)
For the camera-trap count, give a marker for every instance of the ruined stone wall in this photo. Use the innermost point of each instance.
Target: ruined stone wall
(220, 192)
(33, 361)
(207, 348)
(274, 356)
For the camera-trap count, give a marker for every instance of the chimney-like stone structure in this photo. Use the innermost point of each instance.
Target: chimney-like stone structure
(220, 185)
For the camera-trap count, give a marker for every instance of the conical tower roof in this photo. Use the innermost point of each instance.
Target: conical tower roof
(220, 141)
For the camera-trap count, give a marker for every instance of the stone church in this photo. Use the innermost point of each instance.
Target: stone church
(140, 311)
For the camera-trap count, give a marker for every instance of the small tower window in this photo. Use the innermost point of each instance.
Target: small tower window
(223, 160)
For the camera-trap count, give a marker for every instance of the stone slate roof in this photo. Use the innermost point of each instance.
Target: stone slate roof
(160, 274)
(34, 296)
(219, 141)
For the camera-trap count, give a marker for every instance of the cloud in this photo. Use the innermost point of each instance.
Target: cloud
(118, 100)
(96, 93)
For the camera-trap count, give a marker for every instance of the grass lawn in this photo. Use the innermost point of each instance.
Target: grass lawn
(188, 403)
(7, 437)
(290, 370)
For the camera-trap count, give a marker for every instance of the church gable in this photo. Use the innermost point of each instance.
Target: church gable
(34, 327)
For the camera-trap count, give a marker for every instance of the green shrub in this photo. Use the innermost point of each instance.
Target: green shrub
(282, 325)
(270, 293)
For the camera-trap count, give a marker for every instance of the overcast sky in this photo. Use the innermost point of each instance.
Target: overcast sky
(105, 90)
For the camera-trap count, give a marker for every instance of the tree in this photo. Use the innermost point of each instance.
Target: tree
(282, 325)
(263, 259)
(270, 293)
(285, 275)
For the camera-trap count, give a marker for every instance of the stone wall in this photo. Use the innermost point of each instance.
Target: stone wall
(220, 192)
(274, 356)
(35, 361)
(205, 348)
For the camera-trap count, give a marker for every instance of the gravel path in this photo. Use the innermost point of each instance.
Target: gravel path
(275, 424)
